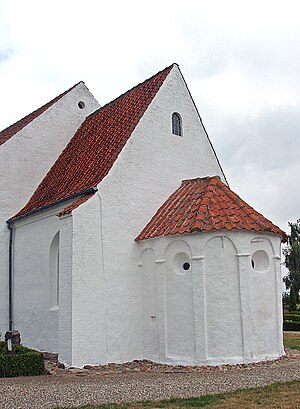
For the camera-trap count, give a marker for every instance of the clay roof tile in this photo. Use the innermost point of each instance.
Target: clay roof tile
(94, 148)
(216, 208)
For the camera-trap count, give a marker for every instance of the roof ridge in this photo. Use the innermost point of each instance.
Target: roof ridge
(202, 215)
(185, 181)
(202, 124)
(17, 126)
(130, 90)
(96, 145)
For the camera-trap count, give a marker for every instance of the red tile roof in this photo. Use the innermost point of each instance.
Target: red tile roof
(7, 133)
(205, 204)
(94, 148)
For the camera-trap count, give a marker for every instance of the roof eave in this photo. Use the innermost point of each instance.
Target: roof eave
(57, 202)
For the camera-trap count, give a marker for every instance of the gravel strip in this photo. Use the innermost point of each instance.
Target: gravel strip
(82, 387)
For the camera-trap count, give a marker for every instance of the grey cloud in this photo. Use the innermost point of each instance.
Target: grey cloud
(262, 57)
(269, 140)
(268, 60)
(260, 156)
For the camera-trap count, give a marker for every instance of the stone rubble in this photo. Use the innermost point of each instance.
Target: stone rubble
(54, 367)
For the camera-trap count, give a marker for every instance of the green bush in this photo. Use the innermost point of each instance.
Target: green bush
(23, 362)
(291, 326)
(2, 348)
(291, 317)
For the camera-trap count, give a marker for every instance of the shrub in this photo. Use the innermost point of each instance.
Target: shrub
(291, 325)
(23, 362)
(291, 317)
(293, 298)
(2, 348)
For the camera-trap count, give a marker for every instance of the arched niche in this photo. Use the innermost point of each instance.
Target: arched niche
(222, 295)
(262, 252)
(263, 295)
(180, 327)
(54, 272)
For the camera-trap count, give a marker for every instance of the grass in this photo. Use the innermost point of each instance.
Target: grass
(200, 402)
(280, 395)
(291, 340)
(276, 396)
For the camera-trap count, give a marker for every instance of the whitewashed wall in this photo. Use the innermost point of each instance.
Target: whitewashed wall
(149, 168)
(34, 315)
(42, 325)
(221, 310)
(103, 317)
(24, 161)
(89, 278)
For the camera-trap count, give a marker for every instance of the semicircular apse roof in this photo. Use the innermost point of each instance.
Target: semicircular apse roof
(205, 204)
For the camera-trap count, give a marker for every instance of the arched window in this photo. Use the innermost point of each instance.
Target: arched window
(176, 124)
(54, 272)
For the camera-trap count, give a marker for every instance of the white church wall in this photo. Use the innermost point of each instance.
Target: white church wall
(264, 298)
(150, 305)
(42, 309)
(24, 161)
(149, 168)
(54, 272)
(35, 316)
(223, 306)
(102, 316)
(234, 321)
(180, 322)
(89, 277)
(66, 261)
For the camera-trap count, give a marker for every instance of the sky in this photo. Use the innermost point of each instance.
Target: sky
(240, 59)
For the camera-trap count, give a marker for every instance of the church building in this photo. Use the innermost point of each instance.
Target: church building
(120, 237)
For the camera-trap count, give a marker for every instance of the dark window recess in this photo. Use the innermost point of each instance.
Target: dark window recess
(176, 124)
(186, 266)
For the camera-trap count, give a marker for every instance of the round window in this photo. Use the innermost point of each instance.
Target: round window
(181, 263)
(260, 260)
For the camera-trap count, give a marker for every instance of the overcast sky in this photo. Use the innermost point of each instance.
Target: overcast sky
(241, 61)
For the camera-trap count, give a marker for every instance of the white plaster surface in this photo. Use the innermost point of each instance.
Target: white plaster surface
(123, 300)
(24, 161)
(223, 306)
(180, 324)
(150, 167)
(89, 276)
(33, 316)
(234, 320)
(150, 305)
(54, 272)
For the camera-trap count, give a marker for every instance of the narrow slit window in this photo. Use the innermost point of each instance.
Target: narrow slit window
(176, 124)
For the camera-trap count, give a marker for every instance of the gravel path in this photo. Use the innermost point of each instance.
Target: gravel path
(67, 388)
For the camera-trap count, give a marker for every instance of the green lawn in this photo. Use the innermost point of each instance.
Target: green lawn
(279, 395)
(291, 340)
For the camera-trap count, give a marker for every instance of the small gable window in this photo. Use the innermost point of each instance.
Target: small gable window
(176, 124)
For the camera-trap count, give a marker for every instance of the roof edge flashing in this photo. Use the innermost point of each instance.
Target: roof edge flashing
(57, 202)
